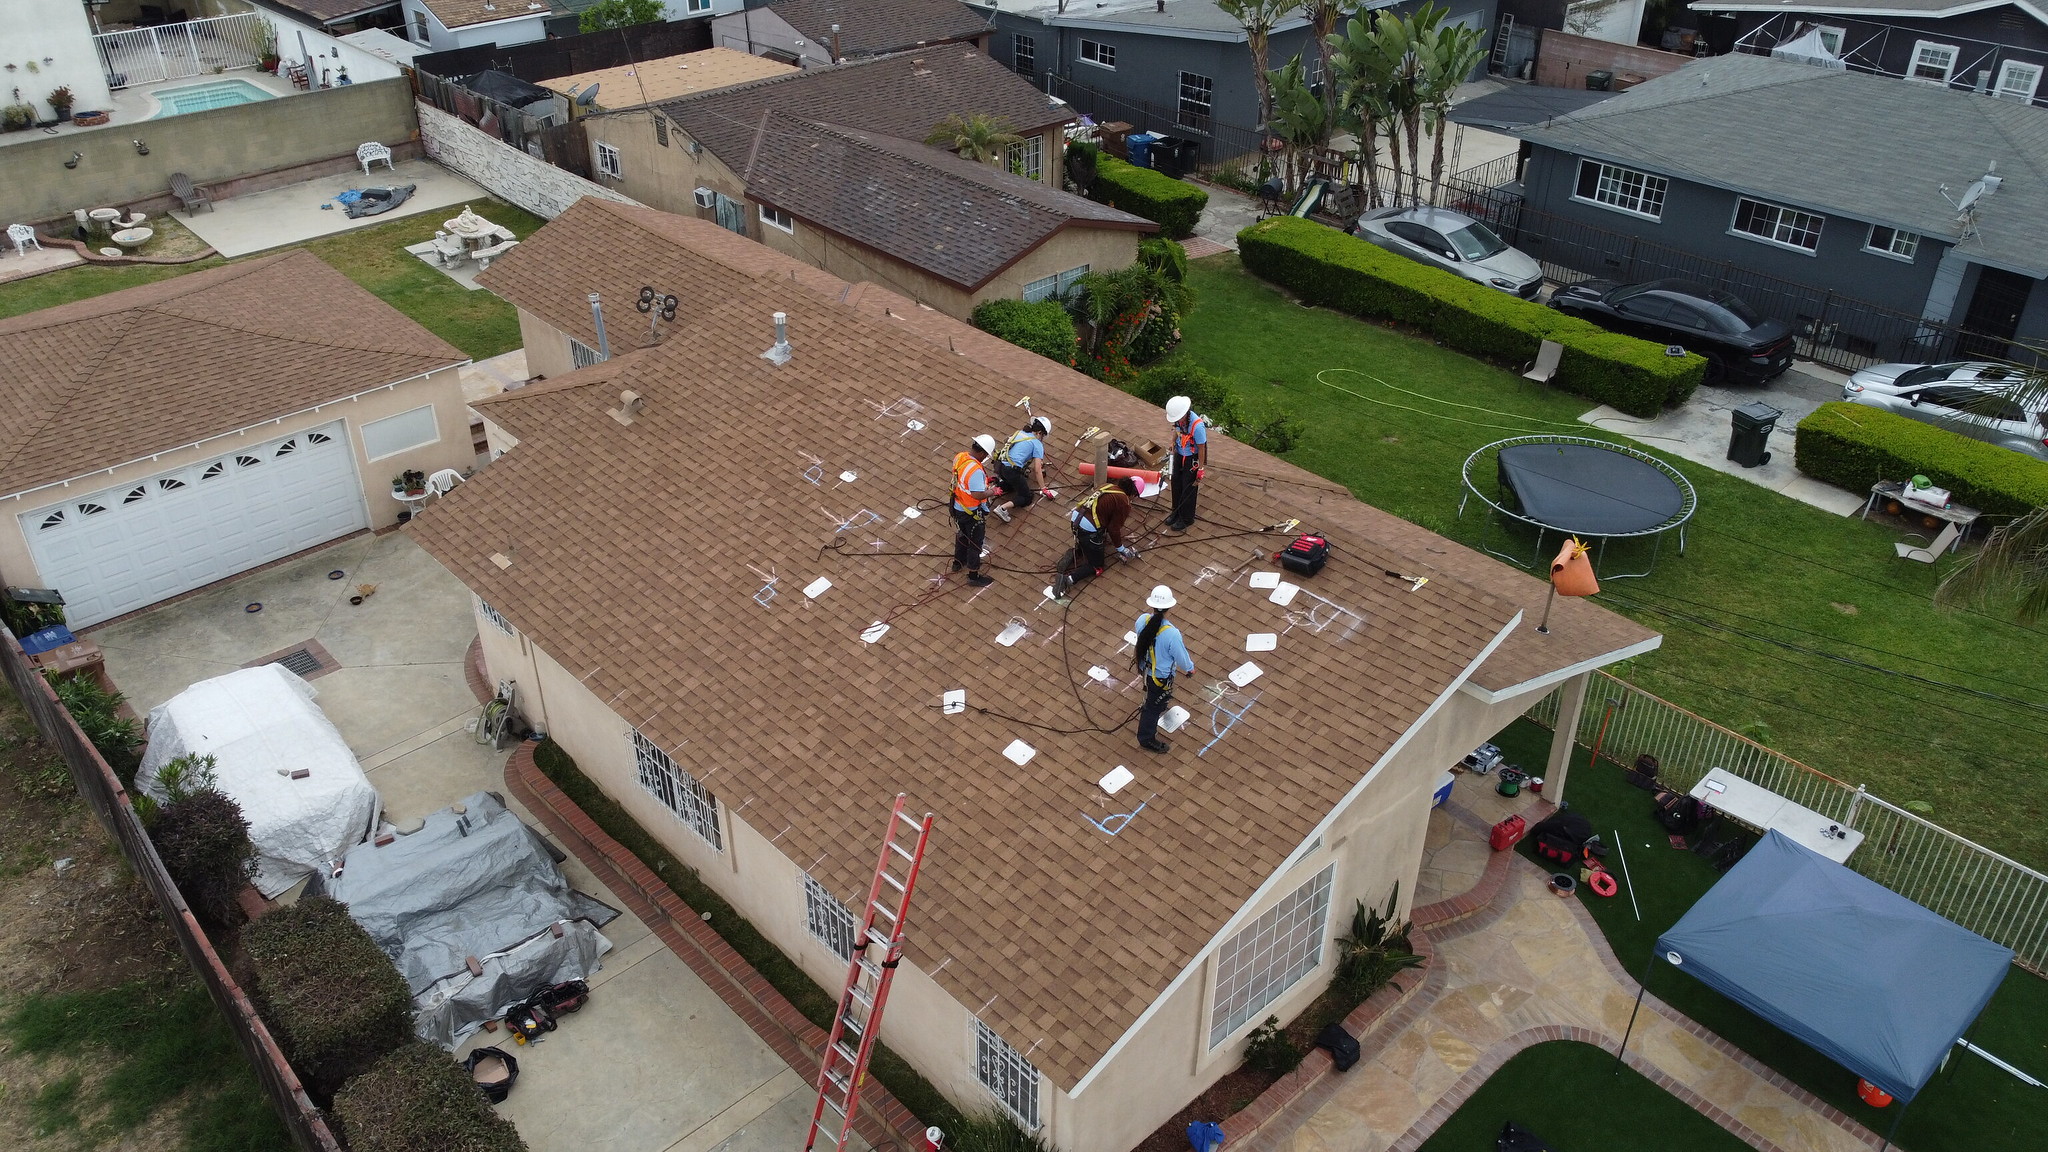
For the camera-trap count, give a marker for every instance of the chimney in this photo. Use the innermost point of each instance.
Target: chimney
(835, 43)
(780, 352)
(604, 346)
(1159, 5)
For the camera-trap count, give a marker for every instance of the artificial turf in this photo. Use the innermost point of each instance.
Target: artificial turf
(1571, 1097)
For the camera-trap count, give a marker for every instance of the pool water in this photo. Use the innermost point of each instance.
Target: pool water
(200, 97)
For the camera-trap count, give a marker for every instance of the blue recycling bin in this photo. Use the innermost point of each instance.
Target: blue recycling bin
(1138, 146)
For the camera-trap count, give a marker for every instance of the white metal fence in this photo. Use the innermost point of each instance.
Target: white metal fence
(177, 51)
(1991, 895)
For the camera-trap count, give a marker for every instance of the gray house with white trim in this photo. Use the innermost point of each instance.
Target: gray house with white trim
(1998, 47)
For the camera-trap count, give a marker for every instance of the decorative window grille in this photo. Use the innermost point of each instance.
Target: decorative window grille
(497, 620)
(678, 791)
(1008, 1076)
(827, 919)
(1270, 956)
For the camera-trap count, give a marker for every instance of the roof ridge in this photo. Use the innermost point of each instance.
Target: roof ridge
(85, 374)
(785, 78)
(253, 331)
(175, 287)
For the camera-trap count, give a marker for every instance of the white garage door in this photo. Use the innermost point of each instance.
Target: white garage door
(125, 548)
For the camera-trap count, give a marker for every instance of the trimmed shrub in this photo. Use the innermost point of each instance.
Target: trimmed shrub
(416, 1098)
(1041, 326)
(1172, 204)
(1337, 270)
(203, 841)
(1852, 446)
(1165, 257)
(330, 994)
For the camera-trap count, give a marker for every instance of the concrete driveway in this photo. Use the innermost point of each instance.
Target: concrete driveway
(656, 1062)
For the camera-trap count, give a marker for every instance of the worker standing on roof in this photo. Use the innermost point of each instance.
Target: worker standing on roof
(970, 508)
(1098, 522)
(1020, 468)
(1160, 655)
(1190, 459)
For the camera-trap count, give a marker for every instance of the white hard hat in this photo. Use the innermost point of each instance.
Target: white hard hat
(1177, 408)
(1161, 598)
(986, 443)
(1044, 424)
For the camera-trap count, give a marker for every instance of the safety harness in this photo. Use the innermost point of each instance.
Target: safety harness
(965, 469)
(1084, 516)
(1016, 438)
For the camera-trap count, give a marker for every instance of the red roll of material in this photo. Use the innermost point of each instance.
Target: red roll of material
(1148, 475)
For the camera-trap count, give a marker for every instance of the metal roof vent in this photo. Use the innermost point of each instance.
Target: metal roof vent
(779, 353)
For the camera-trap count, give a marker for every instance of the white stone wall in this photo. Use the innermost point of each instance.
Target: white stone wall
(535, 185)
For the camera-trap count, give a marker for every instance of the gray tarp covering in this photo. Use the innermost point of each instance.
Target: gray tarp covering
(1873, 981)
(476, 884)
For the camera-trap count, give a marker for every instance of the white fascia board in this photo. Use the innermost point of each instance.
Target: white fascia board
(1496, 695)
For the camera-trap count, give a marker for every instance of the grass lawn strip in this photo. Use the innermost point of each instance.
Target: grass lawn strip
(1570, 1096)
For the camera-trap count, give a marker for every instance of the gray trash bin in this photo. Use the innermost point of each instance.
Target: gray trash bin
(1750, 435)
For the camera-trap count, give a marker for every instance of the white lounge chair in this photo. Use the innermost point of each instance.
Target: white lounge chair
(1546, 362)
(1940, 544)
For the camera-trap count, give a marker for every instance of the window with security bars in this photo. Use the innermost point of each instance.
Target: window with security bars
(1270, 955)
(827, 919)
(1195, 101)
(1778, 224)
(1621, 188)
(1008, 1076)
(582, 355)
(484, 609)
(1026, 157)
(677, 790)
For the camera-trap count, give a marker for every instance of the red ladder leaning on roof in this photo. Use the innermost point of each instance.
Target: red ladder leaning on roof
(842, 1068)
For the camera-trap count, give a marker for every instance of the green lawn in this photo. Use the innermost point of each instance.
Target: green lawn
(1972, 1107)
(1779, 615)
(478, 322)
(1569, 1095)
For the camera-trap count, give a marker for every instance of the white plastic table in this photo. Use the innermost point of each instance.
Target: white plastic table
(1764, 809)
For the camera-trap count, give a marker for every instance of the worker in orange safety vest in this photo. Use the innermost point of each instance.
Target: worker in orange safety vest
(1190, 460)
(970, 508)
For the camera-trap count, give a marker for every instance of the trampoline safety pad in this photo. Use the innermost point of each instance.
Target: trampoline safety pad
(1588, 490)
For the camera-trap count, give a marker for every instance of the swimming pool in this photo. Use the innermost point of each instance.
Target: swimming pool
(200, 97)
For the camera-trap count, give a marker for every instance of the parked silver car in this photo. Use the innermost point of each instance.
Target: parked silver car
(1454, 242)
(1965, 396)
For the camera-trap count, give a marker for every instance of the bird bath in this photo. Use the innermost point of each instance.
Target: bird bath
(131, 239)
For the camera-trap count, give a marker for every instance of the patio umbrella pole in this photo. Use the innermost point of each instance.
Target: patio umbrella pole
(1641, 988)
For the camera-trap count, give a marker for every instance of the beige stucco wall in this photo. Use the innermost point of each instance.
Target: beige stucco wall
(657, 175)
(442, 389)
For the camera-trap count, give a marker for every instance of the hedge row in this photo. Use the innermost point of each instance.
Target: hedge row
(1172, 204)
(418, 1098)
(1852, 446)
(1041, 326)
(330, 994)
(1335, 269)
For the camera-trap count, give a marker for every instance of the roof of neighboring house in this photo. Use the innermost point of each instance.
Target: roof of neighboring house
(903, 95)
(960, 221)
(114, 378)
(805, 731)
(325, 11)
(872, 27)
(505, 88)
(378, 42)
(1195, 19)
(1519, 104)
(1720, 122)
(652, 81)
(461, 13)
(1905, 8)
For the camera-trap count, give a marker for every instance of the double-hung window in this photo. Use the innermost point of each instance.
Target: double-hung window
(1023, 54)
(1933, 63)
(2017, 80)
(678, 791)
(1622, 189)
(1888, 241)
(1270, 955)
(608, 160)
(777, 218)
(1026, 157)
(1054, 287)
(1195, 102)
(1099, 54)
(1008, 1076)
(1777, 224)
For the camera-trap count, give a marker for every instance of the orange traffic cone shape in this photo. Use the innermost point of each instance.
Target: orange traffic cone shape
(1571, 573)
(1872, 1095)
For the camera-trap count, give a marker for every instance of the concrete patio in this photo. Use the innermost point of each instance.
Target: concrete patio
(279, 217)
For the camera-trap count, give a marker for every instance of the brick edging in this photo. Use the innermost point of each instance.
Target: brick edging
(1464, 908)
(793, 1037)
(92, 255)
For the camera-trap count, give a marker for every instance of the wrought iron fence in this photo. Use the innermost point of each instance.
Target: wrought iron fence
(177, 51)
(1989, 894)
(109, 802)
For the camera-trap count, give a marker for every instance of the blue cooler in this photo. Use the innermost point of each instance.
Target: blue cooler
(1138, 146)
(1443, 790)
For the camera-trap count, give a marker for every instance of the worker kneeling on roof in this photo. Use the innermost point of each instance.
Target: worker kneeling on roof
(1020, 468)
(1160, 655)
(970, 507)
(1098, 523)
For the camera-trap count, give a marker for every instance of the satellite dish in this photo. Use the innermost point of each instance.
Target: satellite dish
(1978, 191)
(587, 97)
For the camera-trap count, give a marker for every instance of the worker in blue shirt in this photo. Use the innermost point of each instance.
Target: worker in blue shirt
(1190, 459)
(970, 502)
(1020, 468)
(1160, 656)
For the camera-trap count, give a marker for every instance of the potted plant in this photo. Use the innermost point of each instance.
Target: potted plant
(266, 46)
(17, 118)
(411, 482)
(60, 99)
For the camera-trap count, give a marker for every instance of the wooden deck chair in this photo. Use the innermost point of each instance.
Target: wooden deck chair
(188, 193)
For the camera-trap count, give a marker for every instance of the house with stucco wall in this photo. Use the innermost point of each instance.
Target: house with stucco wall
(721, 585)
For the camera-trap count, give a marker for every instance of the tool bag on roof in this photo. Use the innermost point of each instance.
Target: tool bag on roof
(1304, 556)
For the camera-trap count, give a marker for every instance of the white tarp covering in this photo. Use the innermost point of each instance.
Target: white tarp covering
(1808, 49)
(260, 725)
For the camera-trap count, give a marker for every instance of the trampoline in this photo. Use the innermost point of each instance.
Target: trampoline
(1592, 489)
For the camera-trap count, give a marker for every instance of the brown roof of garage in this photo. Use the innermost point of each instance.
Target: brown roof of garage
(871, 27)
(104, 381)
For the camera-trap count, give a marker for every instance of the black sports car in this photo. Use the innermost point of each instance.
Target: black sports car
(1740, 346)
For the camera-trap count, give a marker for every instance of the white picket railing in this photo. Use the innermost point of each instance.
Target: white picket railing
(177, 51)
(1991, 895)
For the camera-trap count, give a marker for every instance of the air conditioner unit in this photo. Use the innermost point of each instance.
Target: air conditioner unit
(706, 198)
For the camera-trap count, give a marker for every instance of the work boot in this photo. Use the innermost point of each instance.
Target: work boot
(979, 580)
(1155, 746)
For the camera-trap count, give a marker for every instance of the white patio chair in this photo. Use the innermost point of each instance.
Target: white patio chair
(371, 153)
(1939, 545)
(24, 238)
(443, 482)
(1546, 362)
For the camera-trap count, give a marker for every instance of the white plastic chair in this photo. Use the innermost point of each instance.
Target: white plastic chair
(1546, 362)
(372, 152)
(24, 238)
(1939, 545)
(443, 482)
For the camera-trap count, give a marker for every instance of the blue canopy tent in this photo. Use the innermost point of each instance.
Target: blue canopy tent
(1868, 978)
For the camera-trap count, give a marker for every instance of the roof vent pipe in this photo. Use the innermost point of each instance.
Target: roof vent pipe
(1159, 5)
(780, 353)
(604, 346)
(835, 43)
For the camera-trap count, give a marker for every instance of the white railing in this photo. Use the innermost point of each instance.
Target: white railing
(177, 51)
(1991, 895)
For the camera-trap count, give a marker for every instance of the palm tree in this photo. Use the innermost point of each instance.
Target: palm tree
(2013, 562)
(1406, 40)
(1361, 74)
(1447, 58)
(1258, 18)
(1322, 24)
(1298, 116)
(977, 136)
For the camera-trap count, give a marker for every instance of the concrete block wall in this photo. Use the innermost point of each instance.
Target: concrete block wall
(532, 184)
(1564, 60)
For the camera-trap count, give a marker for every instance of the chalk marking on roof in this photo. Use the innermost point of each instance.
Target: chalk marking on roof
(1217, 708)
(1122, 820)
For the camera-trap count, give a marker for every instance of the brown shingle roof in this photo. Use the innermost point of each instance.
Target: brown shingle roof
(461, 13)
(649, 81)
(961, 221)
(324, 10)
(114, 378)
(872, 27)
(903, 95)
(644, 587)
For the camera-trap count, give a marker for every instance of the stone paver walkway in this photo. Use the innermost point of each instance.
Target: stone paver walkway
(1531, 968)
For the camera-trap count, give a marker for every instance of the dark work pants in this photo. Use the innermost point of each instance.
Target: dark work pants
(1089, 557)
(1184, 489)
(969, 530)
(1158, 695)
(1016, 485)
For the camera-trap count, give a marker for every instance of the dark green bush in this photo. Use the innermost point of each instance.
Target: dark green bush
(1165, 257)
(1269, 1050)
(1172, 204)
(203, 841)
(1853, 447)
(330, 994)
(1336, 270)
(1081, 164)
(96, 708)
(1041, 326)
(418, 1098)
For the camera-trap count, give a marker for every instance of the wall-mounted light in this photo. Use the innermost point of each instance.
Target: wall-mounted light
(75, 158)
(141, 149)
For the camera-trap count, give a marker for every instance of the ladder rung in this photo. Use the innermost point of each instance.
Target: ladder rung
(891, 881)
(860, 993)
(852, 1025)
(836, 1108)
(877, 938)
(848, 1054)
(877, 906)
(839, 1082)
(912, 821)
(900, 850)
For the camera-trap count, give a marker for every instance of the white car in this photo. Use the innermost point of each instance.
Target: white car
(1969, 397)
(1454, 242)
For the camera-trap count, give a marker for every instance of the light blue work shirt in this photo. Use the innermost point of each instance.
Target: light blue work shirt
(1022, 449)
(1168, 650)
(977, 482)
(1198, 429)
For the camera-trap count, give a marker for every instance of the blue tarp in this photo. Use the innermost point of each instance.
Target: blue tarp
(1873, 981)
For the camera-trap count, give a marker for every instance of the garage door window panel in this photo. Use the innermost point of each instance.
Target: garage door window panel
(400, 433)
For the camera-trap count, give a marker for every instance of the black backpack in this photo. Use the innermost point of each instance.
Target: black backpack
(1342, 1045)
